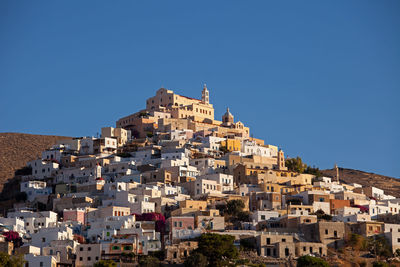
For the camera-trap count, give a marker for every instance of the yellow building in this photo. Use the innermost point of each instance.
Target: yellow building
(193, 204)
(231, 144)
(181, 106)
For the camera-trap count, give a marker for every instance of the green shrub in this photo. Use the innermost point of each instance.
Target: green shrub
(307, 261)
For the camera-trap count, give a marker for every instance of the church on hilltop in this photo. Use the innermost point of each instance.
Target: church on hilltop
(168, 111)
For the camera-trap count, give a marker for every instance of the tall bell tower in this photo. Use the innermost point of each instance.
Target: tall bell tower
(205, 95)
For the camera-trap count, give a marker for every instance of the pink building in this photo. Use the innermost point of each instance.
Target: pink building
(75, 215)
(179, 223)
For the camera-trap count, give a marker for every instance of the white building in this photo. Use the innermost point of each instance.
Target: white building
(225, 180)
(168, 190)
(211, 143)
(203, 186)
(392, 234)
(33, 221)
(252, 148)
(52, 154)
(40, 261)
(324, 206)
(34, 189)
(263, 215)
(78, 174)
(86, 146)
(106, 228)
(87, 254)
(350, 214)
(165, 163)
(384, 207)
(13, 224)
(137, 203)
(203, 165)
(44, 236)
(181, 134)
(42, 169)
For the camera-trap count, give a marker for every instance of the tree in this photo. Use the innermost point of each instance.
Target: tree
(322, 216)
(379, 246)
(196, 259)
(295, 165)
(244, 216)
(217, 248)
(233, 207)
(11, 261)
(149, 261)
(313, 170)
(379, 264)
(306, 261)
(357, 242)
(397, 253)
(248, 244)
(221, 208)
(105, 263)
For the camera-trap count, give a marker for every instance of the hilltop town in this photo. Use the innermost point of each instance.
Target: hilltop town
(171, 181)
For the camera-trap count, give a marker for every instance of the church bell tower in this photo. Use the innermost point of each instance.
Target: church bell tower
(205, 95)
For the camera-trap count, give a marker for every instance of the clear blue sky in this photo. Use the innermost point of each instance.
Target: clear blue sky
(320, 79)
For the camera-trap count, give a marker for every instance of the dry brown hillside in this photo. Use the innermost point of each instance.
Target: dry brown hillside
(18, 148)
(390, 185)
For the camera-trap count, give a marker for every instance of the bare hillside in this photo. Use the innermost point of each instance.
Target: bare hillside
(18, 148)
(389, 184)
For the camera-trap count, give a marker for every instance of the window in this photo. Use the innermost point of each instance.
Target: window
(326, 231)
(81, 249)
(89, 258)
(268, 241)
(89, 248)
(43, 239)
(80, 259)
(283, 239)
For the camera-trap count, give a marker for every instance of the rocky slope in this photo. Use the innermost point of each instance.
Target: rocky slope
(18, 148)
(390, 185)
